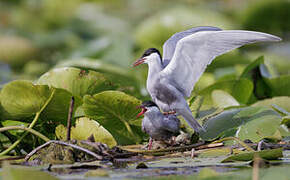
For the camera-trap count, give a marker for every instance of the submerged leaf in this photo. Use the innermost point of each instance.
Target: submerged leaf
(115, 111)
(271, 154)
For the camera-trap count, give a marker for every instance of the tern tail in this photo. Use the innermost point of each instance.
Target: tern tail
(186, 113)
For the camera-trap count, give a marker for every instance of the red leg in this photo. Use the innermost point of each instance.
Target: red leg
(150, 144)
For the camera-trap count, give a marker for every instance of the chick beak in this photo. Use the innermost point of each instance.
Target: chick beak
(142, 111)
(138, 62)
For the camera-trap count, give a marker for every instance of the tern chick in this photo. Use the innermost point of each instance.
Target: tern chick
(157, 125)
(185, 57)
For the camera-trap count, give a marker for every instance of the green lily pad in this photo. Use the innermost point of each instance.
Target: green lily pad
(115, 111)
(265, 126)
(125, 79)
(223, 99)
(271, 154)
(227, 122)
(279, 85)
(78, 82)
(83, 129)
(282, 102)
(23, 99)
(241, 90)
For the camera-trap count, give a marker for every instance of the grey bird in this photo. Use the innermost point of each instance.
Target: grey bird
(157, 125)
(185, 57)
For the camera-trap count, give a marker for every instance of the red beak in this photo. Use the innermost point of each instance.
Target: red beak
(142, 112)
(138, 62)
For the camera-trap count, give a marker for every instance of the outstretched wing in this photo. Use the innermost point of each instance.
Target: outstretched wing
(194, 52)
(170, 44)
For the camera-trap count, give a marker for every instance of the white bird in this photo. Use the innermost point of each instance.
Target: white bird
(185, 57)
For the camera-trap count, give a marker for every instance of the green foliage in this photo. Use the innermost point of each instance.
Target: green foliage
(76, 81)
(115, 111)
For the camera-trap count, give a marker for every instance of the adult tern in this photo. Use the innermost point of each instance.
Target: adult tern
(157, 125)
(185, 57)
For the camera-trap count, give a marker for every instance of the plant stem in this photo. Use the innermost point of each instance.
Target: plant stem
(30, 126)
(69, 118)
(238, 140)
(32, 131)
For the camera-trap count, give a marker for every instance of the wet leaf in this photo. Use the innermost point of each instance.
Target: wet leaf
(223, 99)
(78, 82)
(271, 154)
(83, 129)
(206, 173)
(115, 111)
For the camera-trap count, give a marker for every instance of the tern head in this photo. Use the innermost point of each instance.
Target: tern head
(147, 106)
(150, 54)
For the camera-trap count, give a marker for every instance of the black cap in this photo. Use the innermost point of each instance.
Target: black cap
(150, 51)
(149, 104)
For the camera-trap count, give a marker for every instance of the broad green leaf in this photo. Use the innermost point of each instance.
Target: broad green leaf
(223, 99)
(226, 123)
(283, 102)
(279, 85)
(271, 154)
(77, 81)
(23, 99)
(119, 76)
(83, 129)
(241, 90)
(286, 121)
(18, 173)
(14, 123)
(116, 112)
(259, 127)
(247, 73)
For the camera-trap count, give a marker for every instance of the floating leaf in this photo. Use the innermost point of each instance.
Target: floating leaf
(22, 99)
(78, 82)
(282, 102)
(223, 99)
(84, 128)
(115, 111)
(271, 154)
(279, 85)
(241, 90)
(259, 127)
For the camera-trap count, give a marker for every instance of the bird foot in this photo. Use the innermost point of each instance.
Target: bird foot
(170, 112)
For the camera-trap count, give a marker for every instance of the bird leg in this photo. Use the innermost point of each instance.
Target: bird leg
(150, 143)
(170, 112)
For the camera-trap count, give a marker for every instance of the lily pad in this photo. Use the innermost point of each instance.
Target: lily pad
(282, 102)
(227, 122)
(223, 99)
(241, 90)
(83, 129)
(23, 99)
(78, 82)
(271, 154)
(115, 111)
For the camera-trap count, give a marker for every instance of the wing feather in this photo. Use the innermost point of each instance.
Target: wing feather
(194, 52)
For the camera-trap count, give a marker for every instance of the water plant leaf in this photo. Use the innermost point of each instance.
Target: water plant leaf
(116, 112)
(281, 101)
(83, 129)
(77, 81)
(241, 90)
(223, 99)
(271, 154)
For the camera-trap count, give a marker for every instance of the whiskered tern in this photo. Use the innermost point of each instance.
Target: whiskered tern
(185, 57)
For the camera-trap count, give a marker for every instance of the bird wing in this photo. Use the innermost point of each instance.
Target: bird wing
(170, 44)
(194, 52)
